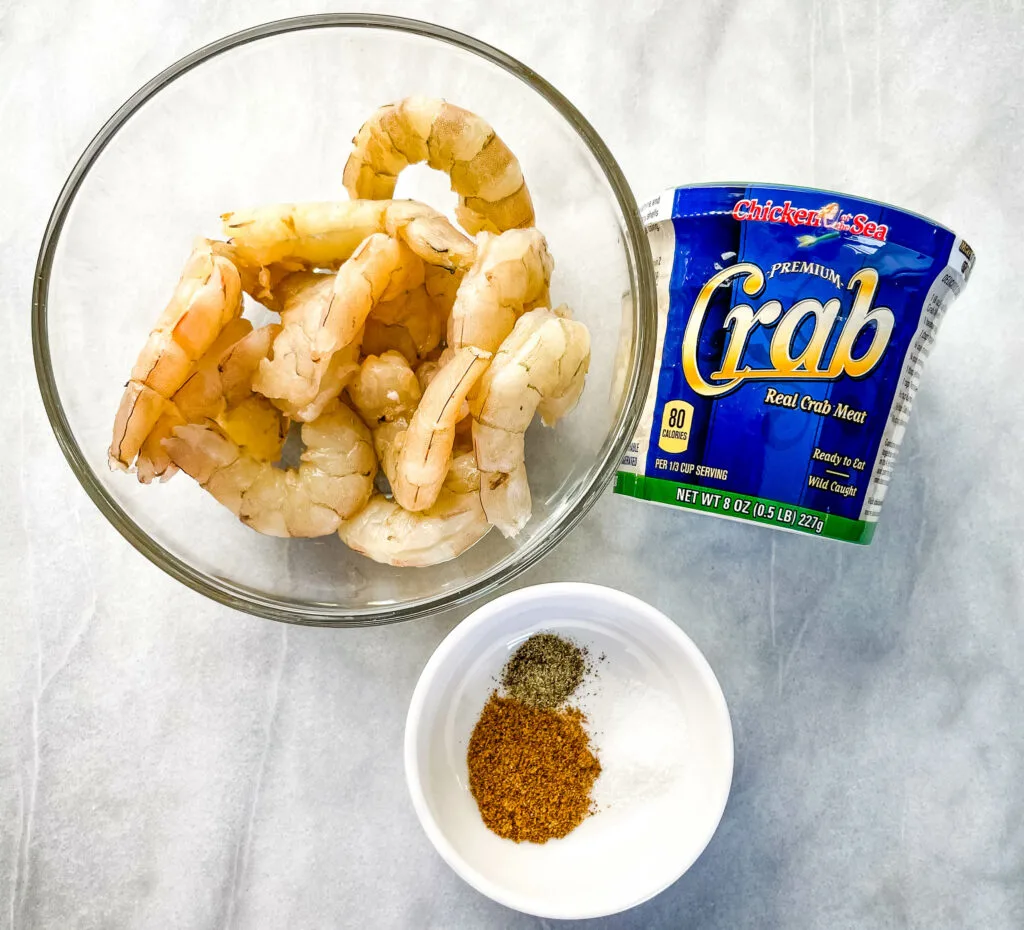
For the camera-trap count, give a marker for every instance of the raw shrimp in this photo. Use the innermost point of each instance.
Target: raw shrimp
(463, 475)
(492, 193)
(340, 371)
(153, 462)
(301, 236)
(425, 449)
(303, 298)
(426, 371)
(202, 394)
(380, 269)
(207, 298)
(258, 282)
(385, 389)
(248, 418)
(334, 479)
(238, 365)
(220, 389)
(541, 368)
(442, 285)
(510, 276)
(379, 338)
(413, 320)
(386, 532)
(199, 397)
(387, 438)
(275, 239)
(386, 393)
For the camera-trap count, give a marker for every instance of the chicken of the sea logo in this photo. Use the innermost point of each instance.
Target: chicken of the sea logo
(831, 217)
(787, 362)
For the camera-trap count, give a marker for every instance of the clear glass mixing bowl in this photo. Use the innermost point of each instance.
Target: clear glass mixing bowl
(267, 115)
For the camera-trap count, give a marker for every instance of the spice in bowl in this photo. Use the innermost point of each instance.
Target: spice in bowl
(544, 671)
(531, 766)
(531, 771)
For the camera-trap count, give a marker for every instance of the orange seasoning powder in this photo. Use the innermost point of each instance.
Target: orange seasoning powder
(531, 770)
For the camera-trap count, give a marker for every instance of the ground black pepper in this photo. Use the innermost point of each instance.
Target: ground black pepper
(544, 671)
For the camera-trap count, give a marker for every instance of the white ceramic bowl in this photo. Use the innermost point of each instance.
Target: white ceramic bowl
(658, 721)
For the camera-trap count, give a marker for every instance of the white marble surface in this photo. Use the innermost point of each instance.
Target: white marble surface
(165, 762)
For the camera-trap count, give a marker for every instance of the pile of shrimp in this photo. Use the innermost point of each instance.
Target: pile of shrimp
(410, 355)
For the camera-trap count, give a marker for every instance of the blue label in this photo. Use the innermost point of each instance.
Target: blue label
(796, 325)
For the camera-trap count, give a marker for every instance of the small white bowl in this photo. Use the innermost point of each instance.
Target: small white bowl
(658, 721)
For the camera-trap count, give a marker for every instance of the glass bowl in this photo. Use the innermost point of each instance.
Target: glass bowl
(267, 115)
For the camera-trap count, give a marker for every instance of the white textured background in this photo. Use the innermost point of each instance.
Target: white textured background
(166, 763)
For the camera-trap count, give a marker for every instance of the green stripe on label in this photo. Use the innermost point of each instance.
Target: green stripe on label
(743, 507)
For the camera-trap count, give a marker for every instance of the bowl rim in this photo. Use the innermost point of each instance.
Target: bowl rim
(239, 597)
(639, 611)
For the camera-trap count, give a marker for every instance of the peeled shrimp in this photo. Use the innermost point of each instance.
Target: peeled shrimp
(304, 297)
(153, 462)
(541, 368)
(386, 392)
(386, 532)
(441, 286)
(380, 338)
(510, 276)
(380, 269)
(385, 389)
(426, 372)
(200, 397)
(250, 419)
(464, 474)
(415, 323)
(203, 395)
(387, 436)
(422, 317)
(425, 449)
(272, 240)
(220, 389)
(258, 282)
(484, 173)
(207, 298)
(334, 479)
